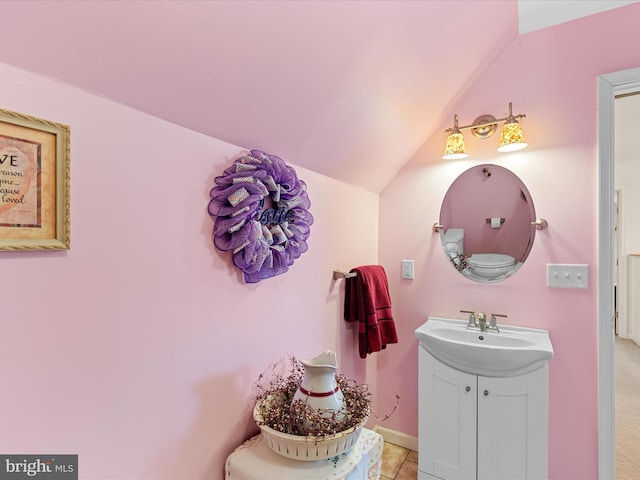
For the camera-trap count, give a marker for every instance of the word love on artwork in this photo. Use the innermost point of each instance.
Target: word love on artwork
(12, 159)
(270, 216)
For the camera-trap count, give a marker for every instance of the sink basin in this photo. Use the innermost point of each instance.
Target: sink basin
(513, 351)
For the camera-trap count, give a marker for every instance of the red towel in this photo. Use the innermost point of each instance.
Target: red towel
(367, 302)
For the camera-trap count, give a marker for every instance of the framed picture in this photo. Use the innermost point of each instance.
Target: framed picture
(34, 183)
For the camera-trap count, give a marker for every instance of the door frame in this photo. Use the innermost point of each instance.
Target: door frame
(609, 85)
(620, 263)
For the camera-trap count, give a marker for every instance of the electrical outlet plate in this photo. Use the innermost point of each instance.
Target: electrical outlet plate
(567, 276)
(407, 269)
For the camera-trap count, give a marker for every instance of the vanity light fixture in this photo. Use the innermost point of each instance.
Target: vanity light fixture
(484, 126)
(511, 138)
(454, 149)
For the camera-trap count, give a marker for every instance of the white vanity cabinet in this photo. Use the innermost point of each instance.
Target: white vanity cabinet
(479, 427)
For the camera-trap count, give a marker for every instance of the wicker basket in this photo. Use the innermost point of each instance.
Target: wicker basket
(308, 447)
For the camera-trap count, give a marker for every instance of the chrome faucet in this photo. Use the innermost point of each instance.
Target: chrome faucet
(482, 321)
(478, 321)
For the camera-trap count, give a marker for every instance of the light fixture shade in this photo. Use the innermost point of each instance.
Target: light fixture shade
(454, 149)
(511, 138)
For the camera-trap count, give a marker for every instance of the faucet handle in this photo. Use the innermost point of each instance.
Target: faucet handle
(492, 320)
(472, 317)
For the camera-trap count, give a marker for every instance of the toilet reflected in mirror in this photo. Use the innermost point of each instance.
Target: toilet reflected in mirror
(486, 223)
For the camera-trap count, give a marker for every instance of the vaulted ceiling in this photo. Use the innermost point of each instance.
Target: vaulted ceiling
(349, 89)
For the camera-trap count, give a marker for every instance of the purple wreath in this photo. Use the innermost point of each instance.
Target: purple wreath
(263, 216)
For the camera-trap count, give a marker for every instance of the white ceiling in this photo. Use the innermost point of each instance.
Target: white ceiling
(537, 14)
(338, 87)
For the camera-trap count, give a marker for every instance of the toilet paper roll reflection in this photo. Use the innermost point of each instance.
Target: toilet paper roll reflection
(496, 222)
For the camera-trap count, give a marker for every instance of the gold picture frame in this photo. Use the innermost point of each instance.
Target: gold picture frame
(34, 183)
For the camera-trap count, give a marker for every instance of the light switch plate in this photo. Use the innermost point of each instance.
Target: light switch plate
(407, 269)
(567, 276)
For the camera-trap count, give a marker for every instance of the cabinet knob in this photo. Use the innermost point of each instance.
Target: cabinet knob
(486, 393)
(468, 388)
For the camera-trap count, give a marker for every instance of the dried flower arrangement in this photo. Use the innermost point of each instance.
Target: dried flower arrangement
(277, 410)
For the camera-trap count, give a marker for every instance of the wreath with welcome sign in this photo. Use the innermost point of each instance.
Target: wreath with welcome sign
(263, 217)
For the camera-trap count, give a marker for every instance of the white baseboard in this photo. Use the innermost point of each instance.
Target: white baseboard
(397, 438)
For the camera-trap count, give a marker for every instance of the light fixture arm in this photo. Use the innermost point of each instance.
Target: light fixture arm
(455, 128)
(486, 120)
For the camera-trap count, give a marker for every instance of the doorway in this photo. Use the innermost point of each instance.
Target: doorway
(609, 86)
(627, 268)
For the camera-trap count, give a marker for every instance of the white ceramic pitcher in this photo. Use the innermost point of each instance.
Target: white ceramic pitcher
(319, 388)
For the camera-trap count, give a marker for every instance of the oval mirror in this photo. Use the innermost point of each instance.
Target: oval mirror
(485, 223)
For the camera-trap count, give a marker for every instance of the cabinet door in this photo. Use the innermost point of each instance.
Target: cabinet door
(447, 420)
(512, 427)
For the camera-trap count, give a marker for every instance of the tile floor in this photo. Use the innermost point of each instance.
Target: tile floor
(398, 463)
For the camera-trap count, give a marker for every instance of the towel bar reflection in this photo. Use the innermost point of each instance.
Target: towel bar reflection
(337, 274)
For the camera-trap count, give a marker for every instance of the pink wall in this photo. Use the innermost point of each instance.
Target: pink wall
(138, 348)
(551, 76)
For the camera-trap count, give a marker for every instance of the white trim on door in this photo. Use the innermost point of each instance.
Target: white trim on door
(609, 85)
